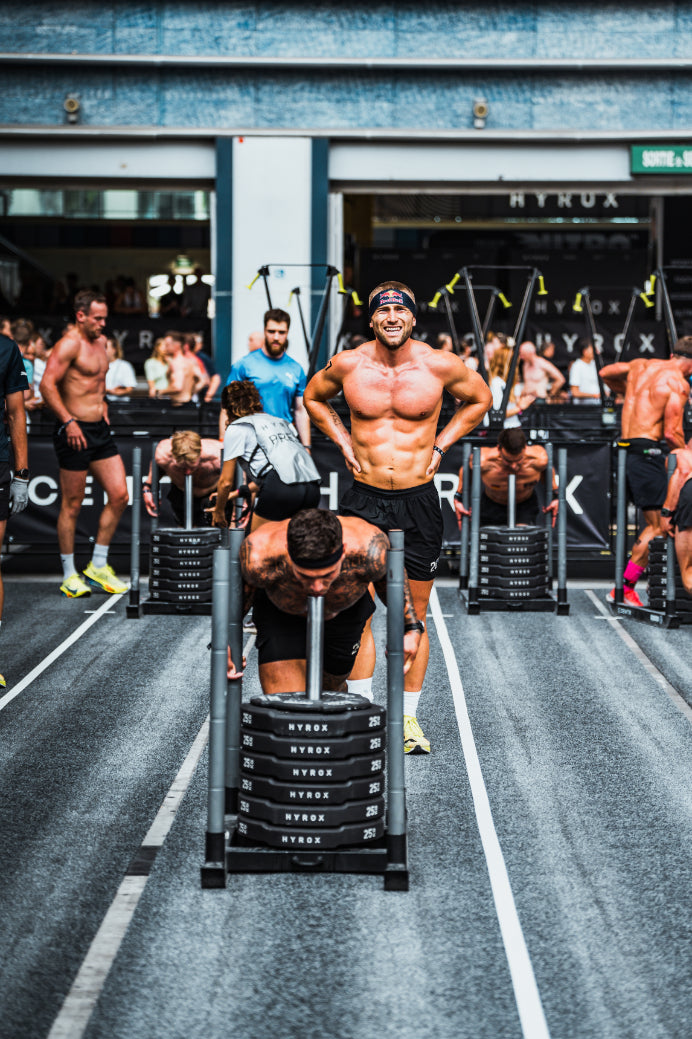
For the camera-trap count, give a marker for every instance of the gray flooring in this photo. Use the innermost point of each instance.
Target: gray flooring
(587, 766)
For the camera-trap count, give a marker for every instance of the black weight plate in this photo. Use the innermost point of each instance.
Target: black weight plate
(176, 536)
(329, 702)
(309, 839)
(314, 793)
(513, 556)
(183, 573)
(513, 593)
(661, 581)
(181, 584)
(532, 570)
(169, 555)
(318, 772)
(657, 567)
(491, 581)
(533, 536)
(312, 724)
(303, 816)
(167, 596)
(681, 609)
(312, 750)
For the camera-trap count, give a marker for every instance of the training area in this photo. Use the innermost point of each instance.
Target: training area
(325, 321)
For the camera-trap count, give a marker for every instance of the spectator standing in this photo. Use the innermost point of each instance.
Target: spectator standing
(541, 377)
(130, 300)
(196, 296)
(14, 487)
(156, 369)
(184, 375)
(583, 376)
(518, 400)
(170, 303)
(120, 377)
(255, 341)
(209, 367)
(279, 379)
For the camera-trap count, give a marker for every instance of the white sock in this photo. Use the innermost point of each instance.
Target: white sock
(68, 567)
(411, 702)
(361, 686)
(100, 556)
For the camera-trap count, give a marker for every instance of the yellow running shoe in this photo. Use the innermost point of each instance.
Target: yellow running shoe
(3, 683)
(104, 578)
(415, 741)
(73, 586)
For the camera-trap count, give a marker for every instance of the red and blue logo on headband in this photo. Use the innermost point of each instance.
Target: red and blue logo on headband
(391, 297)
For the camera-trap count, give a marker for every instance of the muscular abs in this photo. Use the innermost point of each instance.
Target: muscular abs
(394, 416)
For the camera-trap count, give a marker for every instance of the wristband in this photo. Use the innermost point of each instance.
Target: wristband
(438, 449)
(415, 626)
(458, 496)
(666, 512)
(146, 487)
(66, 424)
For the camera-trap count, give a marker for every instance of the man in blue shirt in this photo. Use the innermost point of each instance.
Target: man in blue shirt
(14, 489)
(279, 379)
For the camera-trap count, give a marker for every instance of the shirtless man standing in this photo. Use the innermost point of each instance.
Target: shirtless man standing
(316, 553)
(74, 387)
(656, 392)
(184, 374)
(528, 463)
(540, 376)
(394, 385)
(677, 512)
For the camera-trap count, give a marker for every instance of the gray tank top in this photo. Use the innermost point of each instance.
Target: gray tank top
(286, 454)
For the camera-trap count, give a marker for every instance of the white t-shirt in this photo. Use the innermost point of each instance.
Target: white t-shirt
(239, 441)
(120, 373)
(497, 388)
(584, 375)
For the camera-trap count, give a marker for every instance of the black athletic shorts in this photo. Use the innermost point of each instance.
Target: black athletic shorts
(100, 444)
(647, 479)
(5, 481)
(682, 518)
(278, 500)
(415, 510)
(495, 515)
(282, 636)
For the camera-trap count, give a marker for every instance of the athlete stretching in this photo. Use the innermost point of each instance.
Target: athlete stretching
(393, 386)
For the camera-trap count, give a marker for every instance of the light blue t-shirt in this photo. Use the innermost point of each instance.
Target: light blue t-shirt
(279, 382)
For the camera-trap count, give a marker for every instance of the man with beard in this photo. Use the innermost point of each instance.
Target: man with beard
(279, 379)
(393, 386)
(74, 388)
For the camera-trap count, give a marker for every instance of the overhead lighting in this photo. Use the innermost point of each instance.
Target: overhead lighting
(182, 265)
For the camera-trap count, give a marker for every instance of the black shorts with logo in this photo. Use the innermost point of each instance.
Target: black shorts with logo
(5, 480)
(647, 479)
(100, 444)
(283, 636)
(415, 510)
(495, 515)
(682, 517)
(278, 500)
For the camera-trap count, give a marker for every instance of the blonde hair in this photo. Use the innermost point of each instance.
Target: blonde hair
(499, 367)
(186, 447)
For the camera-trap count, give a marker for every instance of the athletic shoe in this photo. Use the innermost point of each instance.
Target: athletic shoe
(104, 578)
(249, 627)
(629, 596)
(415, 741)
(3, 683)
(73, 587)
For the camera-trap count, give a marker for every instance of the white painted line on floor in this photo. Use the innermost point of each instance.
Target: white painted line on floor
(641, 656)
(528, 1000)
(58, 652)
(80, 1001)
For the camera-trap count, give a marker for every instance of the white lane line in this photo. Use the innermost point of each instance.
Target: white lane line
(526, 995)
(641, 656)
(80, 1001)
(58, 652)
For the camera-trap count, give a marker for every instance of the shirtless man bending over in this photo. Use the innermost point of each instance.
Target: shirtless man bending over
(316, 553)
(528, 463)
(656, 392)
(677, 513)
(394, 385)
(74, 387)
(183, 454)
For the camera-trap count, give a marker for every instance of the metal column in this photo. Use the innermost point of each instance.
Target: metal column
(397, 871)
(133, 607)
(562, 604)
(621, 525)
(315, 647)
(235, 539)
(475, 529)
(465, 522)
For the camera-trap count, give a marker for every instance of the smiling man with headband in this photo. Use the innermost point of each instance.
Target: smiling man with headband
(393, 386)
(316, 553)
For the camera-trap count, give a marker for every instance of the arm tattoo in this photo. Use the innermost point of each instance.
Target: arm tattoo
(327, 366)
(377, 555)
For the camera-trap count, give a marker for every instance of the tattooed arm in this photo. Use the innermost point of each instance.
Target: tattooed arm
(377, 573)
(322, 387)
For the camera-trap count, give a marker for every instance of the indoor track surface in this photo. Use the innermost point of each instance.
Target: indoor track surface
(550, 839)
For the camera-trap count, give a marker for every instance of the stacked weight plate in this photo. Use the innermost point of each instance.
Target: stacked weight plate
(513, 563)
(311, 771)
(657, 579)
(181, 563)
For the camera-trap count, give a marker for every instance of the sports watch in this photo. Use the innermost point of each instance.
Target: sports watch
(21, 474)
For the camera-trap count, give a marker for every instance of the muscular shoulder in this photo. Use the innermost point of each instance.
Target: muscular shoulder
(164, 453)
(263, 554)
(366, 547)
(537, 455)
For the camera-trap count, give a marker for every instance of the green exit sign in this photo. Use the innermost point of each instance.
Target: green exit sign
(661, 158)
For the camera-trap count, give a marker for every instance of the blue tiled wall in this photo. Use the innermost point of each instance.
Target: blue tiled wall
(338, 98)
